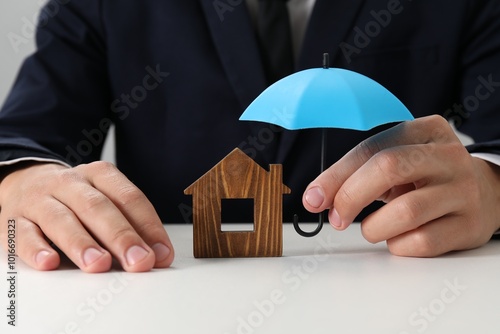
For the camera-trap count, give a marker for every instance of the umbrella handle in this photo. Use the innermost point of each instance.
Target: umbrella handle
(304, 233)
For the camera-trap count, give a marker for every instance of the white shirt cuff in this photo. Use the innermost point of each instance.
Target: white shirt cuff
(15, 161)
(490, 157)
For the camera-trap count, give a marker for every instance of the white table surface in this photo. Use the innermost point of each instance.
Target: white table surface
(335, 282)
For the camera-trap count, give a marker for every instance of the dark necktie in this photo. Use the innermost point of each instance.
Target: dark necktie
(273, 28)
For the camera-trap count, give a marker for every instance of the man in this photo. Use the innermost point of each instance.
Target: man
(174, 76)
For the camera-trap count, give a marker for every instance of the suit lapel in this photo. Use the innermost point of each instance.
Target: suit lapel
(234, 39)
(328, 26)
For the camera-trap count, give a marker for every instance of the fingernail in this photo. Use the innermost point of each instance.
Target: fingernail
(135, 254)
(41, 256)
(315, 197)
(161, 251)
(91, 255)
(335, 218)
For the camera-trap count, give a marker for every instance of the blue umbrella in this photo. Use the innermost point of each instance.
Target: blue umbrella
(326, 98)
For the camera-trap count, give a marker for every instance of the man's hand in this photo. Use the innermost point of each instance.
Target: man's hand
(439, 198)
(92, 213)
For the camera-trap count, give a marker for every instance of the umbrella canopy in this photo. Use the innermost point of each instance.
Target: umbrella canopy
(326, 98)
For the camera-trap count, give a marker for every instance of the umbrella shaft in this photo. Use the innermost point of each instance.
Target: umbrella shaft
(323, 149)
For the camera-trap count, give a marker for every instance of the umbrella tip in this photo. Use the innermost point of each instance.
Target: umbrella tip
(326, 60)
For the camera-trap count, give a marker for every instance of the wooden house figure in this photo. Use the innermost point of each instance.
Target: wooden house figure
(237, 176)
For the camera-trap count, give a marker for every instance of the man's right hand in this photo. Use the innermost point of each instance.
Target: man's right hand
(92, 213)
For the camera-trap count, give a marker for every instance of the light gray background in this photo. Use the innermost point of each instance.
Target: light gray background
(13, 17)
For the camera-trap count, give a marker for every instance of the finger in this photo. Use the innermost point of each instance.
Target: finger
(410, 211)
(395, 192)
(31, 245)
(100, 217)
(136, 208)
(422, 130)
(432, 129)
(58, 223)
(438, 237)
(384, 171)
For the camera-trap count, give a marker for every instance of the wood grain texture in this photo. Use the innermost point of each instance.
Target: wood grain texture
(234, 177)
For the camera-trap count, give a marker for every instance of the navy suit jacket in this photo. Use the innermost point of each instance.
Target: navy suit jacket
(174, 77)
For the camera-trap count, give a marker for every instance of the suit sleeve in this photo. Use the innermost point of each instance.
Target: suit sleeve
(485, 147)
(61, 90)
(477, 114)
